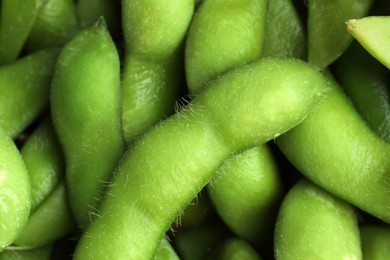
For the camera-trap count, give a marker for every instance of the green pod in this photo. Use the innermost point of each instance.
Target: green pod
(314, 224)
(366, 81)
(222, 35)
(234, 249)
(251, 211)
(327, 36)
(45, 164)
(21, 253)
(16, 20)
(373, 33)
(285, 32)
(25, 90)
(44, 161)
(375, 240)
(50, 221)
(336, 149)
(152, 76)
(55, 25)
(166, 168)
(15, 196)
(85, 103)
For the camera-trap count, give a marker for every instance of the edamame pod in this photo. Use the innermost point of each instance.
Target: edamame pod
(314, 224)
(152, 76)
(165, 251)
(16, 19)
(20, 253)
(222, 35)
(55, 24)
(366, 81)
(85, 103)
(246, 192)
(44, 161)
(25, 88)
(285, 33)
(327, 37)
(336, 149)
(163, 171)
(15, 197)
(373, 34)
(375, 239)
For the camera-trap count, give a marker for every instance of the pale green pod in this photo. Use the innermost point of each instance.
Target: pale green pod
(375, 239)
(234, 249)
(85, 104)
(22, 253)
(15, 197)
(314, 224)
(16, 20)
(25, 90)
(222, 35)
(246, 107)
(335, 148)
(373, 34)
(153, 75)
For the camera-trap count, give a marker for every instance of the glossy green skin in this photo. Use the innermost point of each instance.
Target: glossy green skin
(237, 111)
(234, 249)
(152, 77)
(18, 253)
(327, 36)
(285, 32)
(44, 161)
(246, 192)
(45, 164)
(366, 81)
(375, 239)
(25, 88)
(373, 34)
(336, 149)
(85, 103)
(222, 35)
(314, 224)
(15, 193)
(16, 19)
(55, 24)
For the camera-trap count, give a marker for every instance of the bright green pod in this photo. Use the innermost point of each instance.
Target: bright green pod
(335, 148)
(327, 36)
(166, 168)
(373, 34)
(16, 20)
(55, 24)
(222, 35)
(25, 89)
(375, 240)
(50, 221)
(251, 211)
(314, 224)
(21, 253)
(285, 32)
(152, 76)
(44, 161)
(366, 81)
(15, 197)
(234, 249)
(85, 103)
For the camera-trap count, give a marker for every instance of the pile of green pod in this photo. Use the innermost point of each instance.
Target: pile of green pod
(194, 129)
